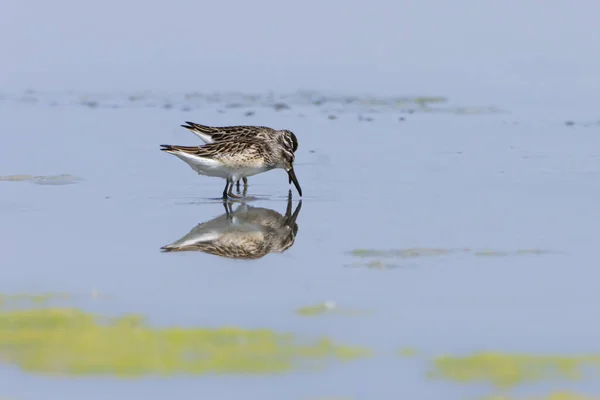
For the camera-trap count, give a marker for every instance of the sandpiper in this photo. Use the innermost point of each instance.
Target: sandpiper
(212, 134)
(237, 159)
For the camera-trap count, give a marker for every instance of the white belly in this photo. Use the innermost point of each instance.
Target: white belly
(209, 167)
(244, 172)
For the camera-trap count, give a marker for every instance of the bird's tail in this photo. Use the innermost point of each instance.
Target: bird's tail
(169, 248)
(202, 131)
(171, 148)
(167, 148)
(199, 128)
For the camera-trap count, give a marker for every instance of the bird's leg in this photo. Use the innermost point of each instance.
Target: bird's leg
(230, 192)
(245, 184)
(225, 190)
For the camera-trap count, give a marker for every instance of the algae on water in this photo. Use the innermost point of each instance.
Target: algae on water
(62, 179)
(550, 396)
(509, 370)
(70, 341)
(30, 299)
(407, 352)
(402, 253)
(327, 307)
(433, 252)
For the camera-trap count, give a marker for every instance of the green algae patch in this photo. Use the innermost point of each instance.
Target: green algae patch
(234, 101)
(375, 265)
(317, 309)
(506, 370)
(550, 396)
(522, 252)
(327, 307)
(401, 253)
(407, 352)
(62, 179)
(417, 252)
(330, 398)
(10, 300)
(72, 342)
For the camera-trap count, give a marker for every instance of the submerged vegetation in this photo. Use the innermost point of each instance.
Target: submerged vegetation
(328, 103)
(508, 370)
(327, 307)
(30, 299)
(70, 341)
(403, 253)
(62, 179)
(407, 352)
(417, 252)
(550, 396)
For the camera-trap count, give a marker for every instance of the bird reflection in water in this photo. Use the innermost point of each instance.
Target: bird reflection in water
(247, 233)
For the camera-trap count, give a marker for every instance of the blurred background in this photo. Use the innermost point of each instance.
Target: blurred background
(463, 49)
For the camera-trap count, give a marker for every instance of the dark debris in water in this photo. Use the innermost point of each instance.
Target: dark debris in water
(280, 106)
(583, 124)
(90, 103)
(278, 102)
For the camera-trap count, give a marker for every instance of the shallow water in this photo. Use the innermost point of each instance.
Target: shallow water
(446, 232)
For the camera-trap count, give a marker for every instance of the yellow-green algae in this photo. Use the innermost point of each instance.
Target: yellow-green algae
(30, 299)
(327, 307)
(508, 370)
(62, 179)
(550, 396)
(70, 341)
(429, 252)
(401, 253)
(330, 398)
(497, 253)
(407, 352)
(374, 264)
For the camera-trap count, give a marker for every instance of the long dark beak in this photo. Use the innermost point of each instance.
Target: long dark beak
(293, 178)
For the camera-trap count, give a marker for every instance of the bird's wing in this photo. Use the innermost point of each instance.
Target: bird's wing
(222, 149)
(220, 133)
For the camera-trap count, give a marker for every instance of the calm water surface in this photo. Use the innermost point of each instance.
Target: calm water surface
(496, 215)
